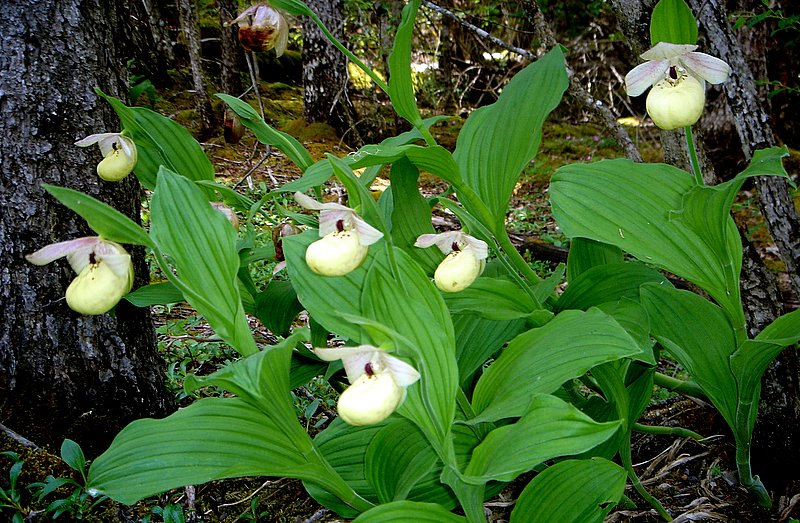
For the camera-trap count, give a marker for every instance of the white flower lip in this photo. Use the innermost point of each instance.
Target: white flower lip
(446, 240)
(684, 56)
(331, 213)
(355, 360)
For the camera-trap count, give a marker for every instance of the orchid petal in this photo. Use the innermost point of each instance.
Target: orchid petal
(354, 359)
(310, 203)
(479, 247)
(95, 138)
(446, 240)
(426, 240)
(283, 35)
(58, 250)
(367, 234)
(243, 16)
(120, 264)
(403, 373)
(709, 68)
(641, 77)
(328, 218)
(667, 51)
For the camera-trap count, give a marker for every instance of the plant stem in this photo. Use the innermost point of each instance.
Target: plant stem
(746, 478)
(670, 431)
(698, 176)
(627, 462)
(688, 388)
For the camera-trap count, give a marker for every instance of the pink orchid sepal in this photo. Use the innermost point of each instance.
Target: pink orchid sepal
(684, 57)
(378, 382)
(330, 214)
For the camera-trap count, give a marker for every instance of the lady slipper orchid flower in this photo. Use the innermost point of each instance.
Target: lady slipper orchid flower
(677, 74)
(464, 262)
(261, 28)
(119, 155)
(227, 212)
(378, 383)
(345, 238)
(104, 268)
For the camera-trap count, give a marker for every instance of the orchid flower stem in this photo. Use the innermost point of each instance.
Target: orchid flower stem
(252, 66)
(679, 432)
(627, 463)
(746, 478)
(688, 388)
(698, 175)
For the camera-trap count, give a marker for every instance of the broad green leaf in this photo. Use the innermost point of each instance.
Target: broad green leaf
(155, 294)
(411, 215)
(359, 196)
(277, 306)
(572, 491)
(228, 195)
(201, 244)
(498, 141)
(585, 254)
(401, 90)
(637, 207)
(434, 159)
(699, 335)
(405, 511)
(423, 319)
(151, 456)
(477, 339)
(607, 283)
(73, 456)
(102, 218)
(630, 314)
(785, 330)
(326, 298)
(541, 360)
(493, 299)
(672, 21)
(548, 429)
(265, 134)
(344, 447)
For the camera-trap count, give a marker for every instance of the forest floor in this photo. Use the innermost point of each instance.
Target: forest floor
(694, 480)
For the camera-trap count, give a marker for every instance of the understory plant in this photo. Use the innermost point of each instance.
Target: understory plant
(462, 369)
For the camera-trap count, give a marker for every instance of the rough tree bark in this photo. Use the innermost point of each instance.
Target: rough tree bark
(230, 49)
(325, 73)
(187, 9)
(776, 449)
(62, 374)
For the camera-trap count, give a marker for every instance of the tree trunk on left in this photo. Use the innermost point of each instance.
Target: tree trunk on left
(63, 374)
(325, 73)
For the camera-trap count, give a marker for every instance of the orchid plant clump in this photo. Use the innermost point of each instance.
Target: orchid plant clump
(461, 368)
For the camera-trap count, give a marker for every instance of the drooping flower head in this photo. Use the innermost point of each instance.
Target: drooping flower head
(104, 269)
(345, 238)
(119, 154)
(464, 262)
(677, 74)
(378, 382)
(261, 28)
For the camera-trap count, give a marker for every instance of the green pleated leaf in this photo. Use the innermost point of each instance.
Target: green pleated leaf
(214, 438)
(411, 215)
(673, 22)
(266, 134)
(630, 314)
(541, 360)
(549, 428)
(277, 306)
(638, 208)
(404, 299)
(155, 294)
(699, 335)
(201, 244)
(785, 330)
(327, 298)
(72, 454)
(477, 339)
(572, 491)
(498, 141)
(434, 159)
(493, 299)
(344, 447)
(405, 511)
(585, 254)
(401, 89)
(102, 218)
(607, 283)
(228, 195)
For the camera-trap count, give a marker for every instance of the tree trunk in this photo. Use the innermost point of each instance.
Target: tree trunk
(62, 374)
(325, 73)
(230, 49)
(191, 34)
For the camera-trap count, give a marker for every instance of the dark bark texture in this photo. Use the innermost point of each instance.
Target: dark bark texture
(325, 73)
(63, 374)
(230, 49)
(187, 10)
